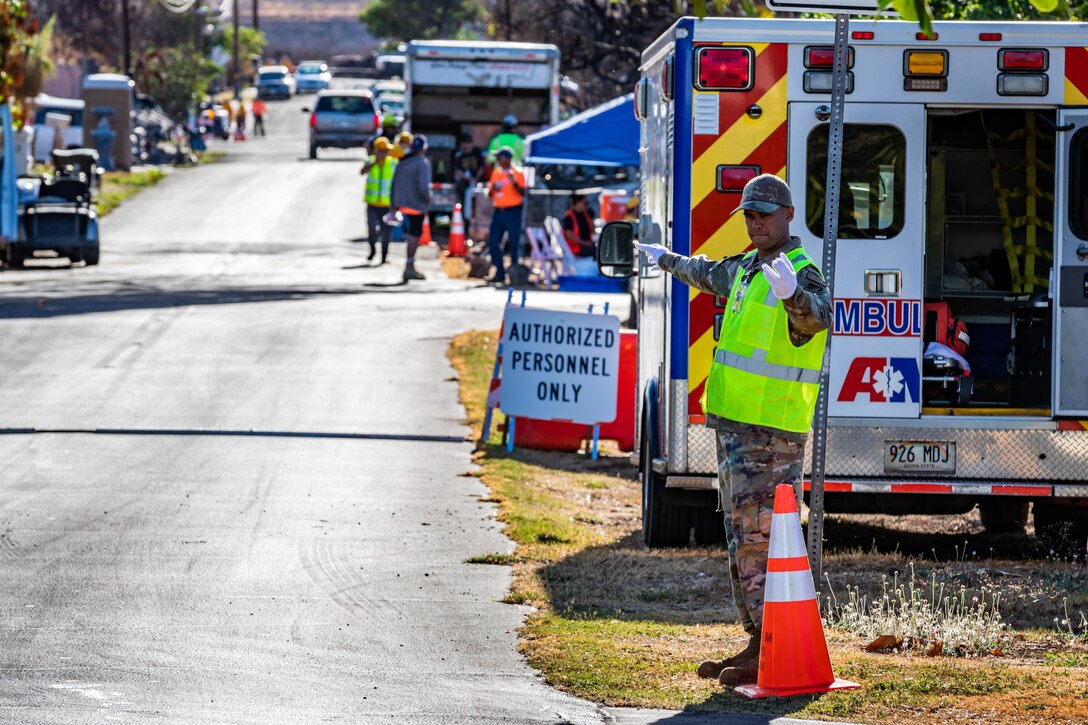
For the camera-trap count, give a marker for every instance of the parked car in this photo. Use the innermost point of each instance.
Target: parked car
(312, 75)
(341, 119)
(391, 103)
(390, 66)
(71, 137)
(380, 88)
(275, 81)
(352, 66)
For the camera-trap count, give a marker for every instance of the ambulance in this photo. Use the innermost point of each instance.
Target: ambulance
(959, 361)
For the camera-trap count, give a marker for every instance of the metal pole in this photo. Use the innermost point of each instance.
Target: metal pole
(125, 40)
(256, 11)
(831, 233)
(237, 84)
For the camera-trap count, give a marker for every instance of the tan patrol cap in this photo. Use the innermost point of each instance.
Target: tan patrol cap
(765, 194)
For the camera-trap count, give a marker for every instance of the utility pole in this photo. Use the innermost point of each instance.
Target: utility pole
(126, 44)
(256, 19)
(237, 68)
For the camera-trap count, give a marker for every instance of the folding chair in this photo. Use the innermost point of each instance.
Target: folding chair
(546, 260)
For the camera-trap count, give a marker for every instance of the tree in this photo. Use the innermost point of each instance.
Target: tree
(21, 55)
(419, 19)
(188, 78)
(600, 41)
(250, 41)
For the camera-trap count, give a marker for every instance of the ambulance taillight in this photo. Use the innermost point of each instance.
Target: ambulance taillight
(1016, 59)
(925, 70)
(725, 69)
(1025, 72)
(732, 178)
(823, 56)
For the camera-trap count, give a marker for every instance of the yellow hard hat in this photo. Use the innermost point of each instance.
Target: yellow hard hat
(404, 137)
(382, 144)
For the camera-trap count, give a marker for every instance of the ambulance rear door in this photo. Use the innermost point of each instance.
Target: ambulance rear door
(1071, 264)
(876, 356)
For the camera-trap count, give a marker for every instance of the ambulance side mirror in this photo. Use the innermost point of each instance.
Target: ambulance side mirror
(616, 250)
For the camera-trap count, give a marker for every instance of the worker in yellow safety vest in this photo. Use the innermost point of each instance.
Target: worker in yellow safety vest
(378, 170)
(761, 391)
(509, 138)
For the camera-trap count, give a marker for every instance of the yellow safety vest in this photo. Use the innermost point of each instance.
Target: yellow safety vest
(513, 140)
(379, 183)
(758, 376)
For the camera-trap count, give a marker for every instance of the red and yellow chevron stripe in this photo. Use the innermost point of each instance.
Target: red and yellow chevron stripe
(1076, 76)
(740, 140)
(1080, 425)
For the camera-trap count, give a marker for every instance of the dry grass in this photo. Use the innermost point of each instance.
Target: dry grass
(454, 267)
(620, 624)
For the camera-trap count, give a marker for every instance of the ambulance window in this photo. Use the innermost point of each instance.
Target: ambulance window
(873, 184)
(1078, 191)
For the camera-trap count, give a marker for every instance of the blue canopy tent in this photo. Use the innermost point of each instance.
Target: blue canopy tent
(606, 135)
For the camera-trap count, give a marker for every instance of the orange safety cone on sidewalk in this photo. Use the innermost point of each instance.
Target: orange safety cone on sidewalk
(793, 657)
(456, 246)
(425, 238)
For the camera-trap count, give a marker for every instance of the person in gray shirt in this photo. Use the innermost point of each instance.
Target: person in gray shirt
(411, 196)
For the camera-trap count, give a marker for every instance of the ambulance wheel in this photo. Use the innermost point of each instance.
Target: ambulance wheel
(1062, 529)
(1003, 515)
(663, 524)
(964, 389)
(709, 527)
(90, 256)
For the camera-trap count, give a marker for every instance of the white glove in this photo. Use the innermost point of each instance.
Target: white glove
(781, 276)
(653, 252)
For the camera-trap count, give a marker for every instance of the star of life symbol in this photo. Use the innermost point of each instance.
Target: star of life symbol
(887, 381)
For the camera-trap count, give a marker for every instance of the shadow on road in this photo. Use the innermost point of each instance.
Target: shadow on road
(49, 305)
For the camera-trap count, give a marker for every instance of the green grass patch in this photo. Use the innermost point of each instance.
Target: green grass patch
(1067, 659)
(623, 625)
(209, 157)
(117, 186)
(496, 559)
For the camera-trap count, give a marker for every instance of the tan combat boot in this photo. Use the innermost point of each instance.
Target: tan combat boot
(713, 668)
(744, 674)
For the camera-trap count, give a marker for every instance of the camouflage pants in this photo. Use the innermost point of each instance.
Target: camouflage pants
(750, 466)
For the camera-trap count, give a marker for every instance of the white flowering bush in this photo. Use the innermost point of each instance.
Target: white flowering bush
(922, 615)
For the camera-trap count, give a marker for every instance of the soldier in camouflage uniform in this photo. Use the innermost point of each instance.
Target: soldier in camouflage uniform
(754, 459)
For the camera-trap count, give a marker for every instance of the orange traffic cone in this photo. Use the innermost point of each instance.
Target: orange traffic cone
(426, 237)
(456, 247)
(793, 657)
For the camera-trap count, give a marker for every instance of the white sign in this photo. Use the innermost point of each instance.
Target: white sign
(850, 7)
(560, 365)
(483, 74)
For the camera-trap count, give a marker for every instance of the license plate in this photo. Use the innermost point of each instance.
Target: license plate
(903, 456)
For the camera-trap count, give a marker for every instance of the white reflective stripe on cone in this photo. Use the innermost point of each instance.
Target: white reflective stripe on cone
(789, 586)
(787, 541)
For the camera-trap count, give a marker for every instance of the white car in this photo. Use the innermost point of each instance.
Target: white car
(391, 103)
(312, 75)
(275, 81)
(71, 137)
(381, 88)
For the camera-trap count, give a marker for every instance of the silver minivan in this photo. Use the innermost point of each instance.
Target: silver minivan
(341, 119)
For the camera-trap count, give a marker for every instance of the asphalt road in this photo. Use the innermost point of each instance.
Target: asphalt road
(231, 464)
(270, 523)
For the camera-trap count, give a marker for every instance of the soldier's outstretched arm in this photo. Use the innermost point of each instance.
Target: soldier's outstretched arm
(702, 273)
